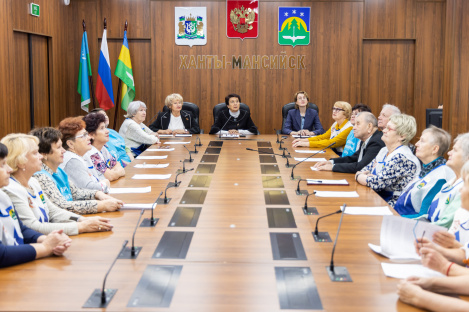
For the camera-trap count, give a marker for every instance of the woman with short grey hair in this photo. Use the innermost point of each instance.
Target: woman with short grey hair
(395, 166)
(418, 195)
(136, 134)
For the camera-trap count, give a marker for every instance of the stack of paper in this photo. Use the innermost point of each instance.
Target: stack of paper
(151, 166)
(175, 142)
(228, 135)
(138, 206)
(151, 176)
(368, 211)
(326, 182)
(129, 190)
(165, 135)
(161, 149)
(183, 135)
(336, 194)
(407, 270)
(152, 157)
(310, 159)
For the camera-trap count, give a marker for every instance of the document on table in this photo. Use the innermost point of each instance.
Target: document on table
(138, 206)
(161, 149)
(336, 194)
(310, 159)
(397, 236)
(368, 211)
(152, 157)
(165, 135)
(151, 176)
(183, 135)
(176, 142)
(314, 169)
(129, 190)
(407, 270)
(301, 136)
(326, 182)
(309, 151)
(228, 135)
(151, 166)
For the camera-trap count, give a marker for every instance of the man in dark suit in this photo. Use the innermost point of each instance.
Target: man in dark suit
(365, 129)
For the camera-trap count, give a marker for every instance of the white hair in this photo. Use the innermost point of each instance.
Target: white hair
(133, 108)
(464, 138)
(395, 109)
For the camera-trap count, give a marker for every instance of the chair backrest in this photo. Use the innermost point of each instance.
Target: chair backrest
(291, 105)
(217, 108)
(188, 106)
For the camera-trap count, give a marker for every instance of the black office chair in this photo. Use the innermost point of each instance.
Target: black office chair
(190, 107)
(219, 107)
(290, 106)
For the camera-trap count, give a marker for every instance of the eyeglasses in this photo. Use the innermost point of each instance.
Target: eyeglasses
(84, 135)
(389, 129)
(336, 109)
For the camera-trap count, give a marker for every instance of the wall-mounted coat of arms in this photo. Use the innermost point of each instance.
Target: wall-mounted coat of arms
(242, 19)
(190, 25)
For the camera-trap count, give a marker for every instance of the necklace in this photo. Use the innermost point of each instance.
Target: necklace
(28, 188)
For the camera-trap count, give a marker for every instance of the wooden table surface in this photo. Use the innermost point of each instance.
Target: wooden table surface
(229, 265)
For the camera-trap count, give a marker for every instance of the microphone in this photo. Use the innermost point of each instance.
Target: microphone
(254, 150)
(293, 168)
(338, 274)
(309, 210)
(298, 191)
(152, 221)
(200, 141)
(195, 148)
(278, 141)
(219, 133)
(190, 155)
(154, 117)
(100, 298)
(323, 237)
(166, 200)
(281, 141)
(133, 252)
(176, 182)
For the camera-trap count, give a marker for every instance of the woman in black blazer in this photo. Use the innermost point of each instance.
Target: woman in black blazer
(176, 121)
(302, 120)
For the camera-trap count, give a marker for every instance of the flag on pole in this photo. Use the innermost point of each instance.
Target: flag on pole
(84, 73)
(124, 72)
(104, 92)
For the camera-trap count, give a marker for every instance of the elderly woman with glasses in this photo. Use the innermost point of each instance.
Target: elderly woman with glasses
(337, 133)
(418, 195)
(395, 166)
(34, 208)
(136, 134)
(76, 142)
(55, 183)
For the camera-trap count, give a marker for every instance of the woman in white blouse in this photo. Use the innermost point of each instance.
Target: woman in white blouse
(136, 134)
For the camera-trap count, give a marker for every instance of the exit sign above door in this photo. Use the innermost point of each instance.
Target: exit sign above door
(34, 9)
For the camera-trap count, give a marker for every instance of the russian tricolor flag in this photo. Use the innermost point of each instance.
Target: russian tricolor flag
(104, 92)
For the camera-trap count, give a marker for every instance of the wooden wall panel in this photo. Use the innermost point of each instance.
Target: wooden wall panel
(20, 112)
(40, 61)
(388, 74)
(117, 11)
(28, 23)
(386, 19)
(7, 51)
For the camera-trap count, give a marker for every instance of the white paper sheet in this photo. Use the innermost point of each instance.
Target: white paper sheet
(309, 151)
(165, 135)
(397, 237)
(137, 206)
(130, 190)
(402, 271)
(326, 182)
(336, 194)
(302, 136)
(151, 166)
(314, 169)
(368, 211)
(176, 142)
(312, 159)
(227, 135)
(183, 135)
(151, 157)
(151, 176)
(160, 149)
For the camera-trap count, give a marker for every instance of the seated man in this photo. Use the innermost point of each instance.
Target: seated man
(232, 120)
(366, 130)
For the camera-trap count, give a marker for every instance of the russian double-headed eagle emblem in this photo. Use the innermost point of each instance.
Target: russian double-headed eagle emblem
(242, 19)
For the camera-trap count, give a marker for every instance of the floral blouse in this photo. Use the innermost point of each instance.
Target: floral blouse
(83, 199)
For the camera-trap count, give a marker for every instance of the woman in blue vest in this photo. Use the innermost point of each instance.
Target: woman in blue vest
(18, 243)
(55, 183)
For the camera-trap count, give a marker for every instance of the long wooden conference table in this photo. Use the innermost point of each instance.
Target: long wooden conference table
(229, 264)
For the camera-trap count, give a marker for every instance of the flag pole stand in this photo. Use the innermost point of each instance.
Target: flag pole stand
(90, 78)
(118, 104)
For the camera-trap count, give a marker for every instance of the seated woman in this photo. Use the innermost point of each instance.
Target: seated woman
(116, 144)
(105, 165)
(420, 292)
(56, 185)
(302, 120)
(352, 143)
(77, 143)
(448, 200)
(19, 244)
(137, 136)
(395, 166)
(34, 208)
(232, 120)
(418, 195)
(336, 134)
(176, 121)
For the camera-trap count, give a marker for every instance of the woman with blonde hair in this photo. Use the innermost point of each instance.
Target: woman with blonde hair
(336, 134)
(34, 208)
